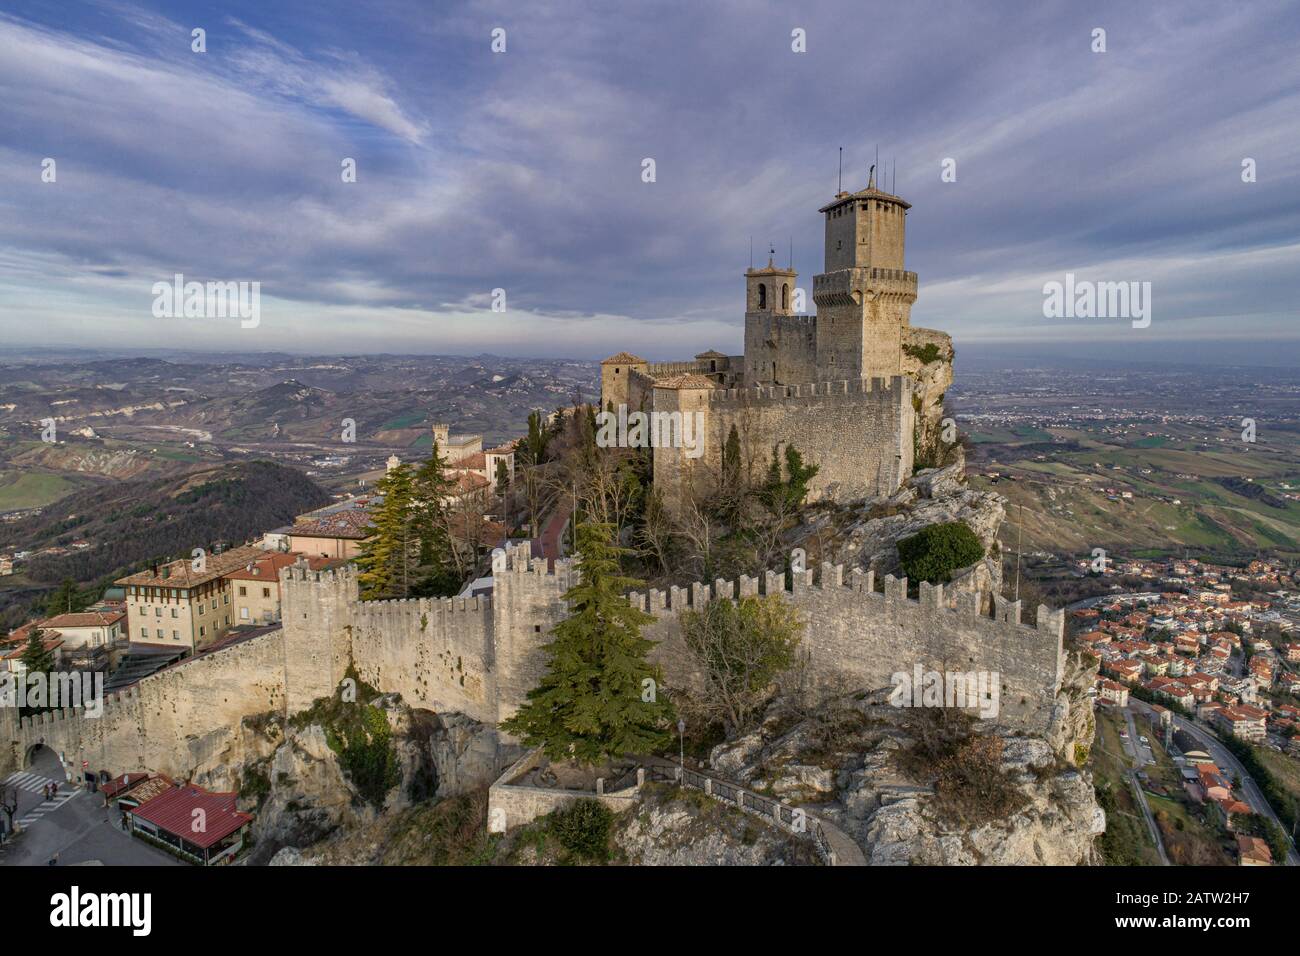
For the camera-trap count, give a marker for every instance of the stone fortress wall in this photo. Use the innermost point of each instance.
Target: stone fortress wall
(481, 656)
(858, 432)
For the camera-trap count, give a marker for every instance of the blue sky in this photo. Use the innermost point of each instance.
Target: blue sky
(522, 170)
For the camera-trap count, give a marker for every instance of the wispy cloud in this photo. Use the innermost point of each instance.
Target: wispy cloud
(523, 170)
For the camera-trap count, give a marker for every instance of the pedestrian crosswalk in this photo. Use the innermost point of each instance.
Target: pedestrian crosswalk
(31, 782)
(35, 783)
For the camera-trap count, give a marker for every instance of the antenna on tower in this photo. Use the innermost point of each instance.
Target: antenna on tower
(841, 186)
(893, 179)
(751, 252)
(792, 253)
(877, 166)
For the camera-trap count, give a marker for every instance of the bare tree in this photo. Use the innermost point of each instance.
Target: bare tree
(741, 647)
(9, 803)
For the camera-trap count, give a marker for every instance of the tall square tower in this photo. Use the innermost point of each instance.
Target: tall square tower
(864, 298)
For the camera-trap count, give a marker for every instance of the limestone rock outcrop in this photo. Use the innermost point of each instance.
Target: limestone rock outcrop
(845, 759)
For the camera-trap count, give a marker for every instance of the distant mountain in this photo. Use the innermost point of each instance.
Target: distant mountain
(131, 523)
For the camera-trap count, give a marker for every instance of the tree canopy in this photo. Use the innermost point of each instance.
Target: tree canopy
(600, 697)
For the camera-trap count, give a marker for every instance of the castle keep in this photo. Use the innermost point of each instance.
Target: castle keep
(854, 387)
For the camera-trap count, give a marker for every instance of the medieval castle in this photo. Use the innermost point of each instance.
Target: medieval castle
(855, 386)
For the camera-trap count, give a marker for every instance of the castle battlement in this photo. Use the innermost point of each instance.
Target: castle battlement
(444, 607)
(517, 558)
(880, 385)
(891, 603)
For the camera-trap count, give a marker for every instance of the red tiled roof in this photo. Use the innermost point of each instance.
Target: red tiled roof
(181, 574)
(122, 783)
(623, 358)
(687, 380)
(51, 640)
(84, 619)
(467, 481)
(343, 524)
(268, 568)
(173, 811)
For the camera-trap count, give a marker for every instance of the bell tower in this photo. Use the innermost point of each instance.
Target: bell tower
(769, 304)
(864, 298)
(770, 289)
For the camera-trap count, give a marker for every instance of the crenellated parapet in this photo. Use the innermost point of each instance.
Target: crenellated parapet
(892, 602)
(855, 636)
(887, 389)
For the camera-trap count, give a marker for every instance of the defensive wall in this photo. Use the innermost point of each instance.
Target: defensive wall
(858, 432)
(481, 656)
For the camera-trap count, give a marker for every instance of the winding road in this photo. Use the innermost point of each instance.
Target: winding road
(1227, 760)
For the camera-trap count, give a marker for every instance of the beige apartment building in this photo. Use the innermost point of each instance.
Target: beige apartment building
(255, 588)
(179, 605)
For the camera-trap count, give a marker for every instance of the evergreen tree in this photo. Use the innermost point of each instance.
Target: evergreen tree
(389, 554)
(589, 705)
(731, 464)
(36, 657)
(537, 440)
(431, 487)
(788, 491)
(65, 599)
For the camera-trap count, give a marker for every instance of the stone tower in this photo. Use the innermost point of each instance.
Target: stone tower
(864, 298)
(778, 343)
(769, 290)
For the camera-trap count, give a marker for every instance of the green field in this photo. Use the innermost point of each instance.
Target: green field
(1066, 510)
(405, 420)
(32, 489)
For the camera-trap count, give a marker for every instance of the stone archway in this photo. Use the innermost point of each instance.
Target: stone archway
(33, 753)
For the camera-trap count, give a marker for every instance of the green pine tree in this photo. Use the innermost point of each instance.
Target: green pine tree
(589, 706)
(435, 575)
(731, 461)
(36, 658)
(389, 555)
(65, 599)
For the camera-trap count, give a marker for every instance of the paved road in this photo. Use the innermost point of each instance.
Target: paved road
(550, 539)
(1227, 761)
(1136, 748)
(1141, 752)
(75, 826)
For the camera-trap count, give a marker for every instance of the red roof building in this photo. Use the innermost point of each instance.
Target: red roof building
(200, 824)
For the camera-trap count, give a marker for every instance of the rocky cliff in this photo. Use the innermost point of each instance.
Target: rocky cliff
(920, 787)
(307, 786)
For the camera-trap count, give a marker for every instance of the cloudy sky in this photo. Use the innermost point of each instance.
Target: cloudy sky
(522, 170)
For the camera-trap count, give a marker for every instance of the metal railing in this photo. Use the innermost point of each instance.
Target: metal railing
(792, 820)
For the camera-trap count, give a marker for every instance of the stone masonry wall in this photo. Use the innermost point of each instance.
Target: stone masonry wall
(171, 721)
(859, 433)
(856, 638)
(481, 656)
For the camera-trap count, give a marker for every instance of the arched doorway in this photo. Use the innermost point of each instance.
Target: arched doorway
(41, 759)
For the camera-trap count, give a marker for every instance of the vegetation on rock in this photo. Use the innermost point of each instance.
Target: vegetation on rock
(935, 552)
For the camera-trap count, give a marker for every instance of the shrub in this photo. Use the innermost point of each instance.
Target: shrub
(583, 827)
(925, 354)
(934, 553)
